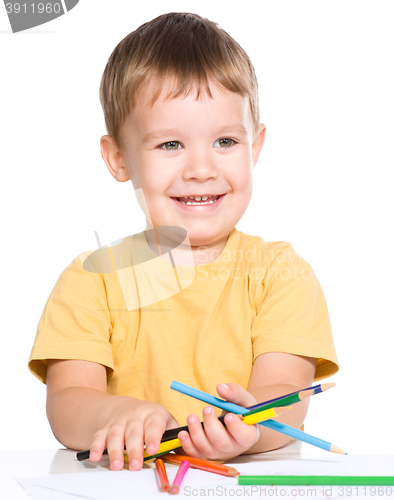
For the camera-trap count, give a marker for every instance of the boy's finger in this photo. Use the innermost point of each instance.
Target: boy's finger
(216, 432)
(188, 447)
(235, 394)
(115, 446)
(198, 436)
(98, 445)
(134, 439)
(245, 435)
(154, 430)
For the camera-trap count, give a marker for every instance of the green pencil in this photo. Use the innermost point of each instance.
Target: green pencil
(317, 480)
(291, 399)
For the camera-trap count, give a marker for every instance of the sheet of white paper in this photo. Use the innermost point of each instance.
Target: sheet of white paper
(125, 485)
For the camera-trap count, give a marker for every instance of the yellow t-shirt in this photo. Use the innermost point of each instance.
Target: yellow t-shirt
(150, 323)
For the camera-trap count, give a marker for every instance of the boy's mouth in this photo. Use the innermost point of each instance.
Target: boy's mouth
(199, 204)
(199, 199)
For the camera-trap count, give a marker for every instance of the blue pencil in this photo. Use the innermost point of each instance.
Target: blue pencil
(270, 424)
(207, 398)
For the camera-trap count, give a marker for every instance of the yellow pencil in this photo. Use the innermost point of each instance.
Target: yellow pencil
(260, 416)
(164, 447)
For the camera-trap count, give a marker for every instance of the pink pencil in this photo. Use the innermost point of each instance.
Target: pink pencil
(174, 490)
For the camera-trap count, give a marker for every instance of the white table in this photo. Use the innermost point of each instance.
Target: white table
(35, 463)
(38, 463)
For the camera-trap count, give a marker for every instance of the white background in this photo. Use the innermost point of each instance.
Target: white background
(323, 182)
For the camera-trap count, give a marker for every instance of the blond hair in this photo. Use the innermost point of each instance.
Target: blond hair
(185, 46)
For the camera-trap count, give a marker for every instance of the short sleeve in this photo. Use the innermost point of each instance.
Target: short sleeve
(75, 323)
(291, 312)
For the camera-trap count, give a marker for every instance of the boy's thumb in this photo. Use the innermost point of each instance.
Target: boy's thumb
(234, 393)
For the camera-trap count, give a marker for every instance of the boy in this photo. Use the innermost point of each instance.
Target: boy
(180, 101)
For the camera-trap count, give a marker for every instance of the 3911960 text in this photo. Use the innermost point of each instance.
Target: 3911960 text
(33, 8)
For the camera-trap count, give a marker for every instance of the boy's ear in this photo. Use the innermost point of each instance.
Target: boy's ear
(114, 159)
(258, 143)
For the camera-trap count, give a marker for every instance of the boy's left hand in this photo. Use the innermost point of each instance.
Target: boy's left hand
(214, 441)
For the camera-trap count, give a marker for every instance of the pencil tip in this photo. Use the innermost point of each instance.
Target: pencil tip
(281, 409)
(305, 394)
(325, 387)
(335, 449)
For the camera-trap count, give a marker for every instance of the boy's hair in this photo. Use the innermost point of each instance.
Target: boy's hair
(185, 46)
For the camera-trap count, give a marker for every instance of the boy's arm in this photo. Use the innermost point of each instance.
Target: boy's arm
(276, 374)
(83, 416)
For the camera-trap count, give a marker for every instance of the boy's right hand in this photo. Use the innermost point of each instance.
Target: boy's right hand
(78, 405)
(132, 423)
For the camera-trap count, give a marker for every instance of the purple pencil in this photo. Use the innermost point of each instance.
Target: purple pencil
(317, 390)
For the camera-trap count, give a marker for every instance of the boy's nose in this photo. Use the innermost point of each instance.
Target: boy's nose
(201, 168)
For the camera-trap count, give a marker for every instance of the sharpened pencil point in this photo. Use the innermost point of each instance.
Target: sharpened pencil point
(306, 394)
(233, 472)
(281, 409)
(335, 449)
(325, 387)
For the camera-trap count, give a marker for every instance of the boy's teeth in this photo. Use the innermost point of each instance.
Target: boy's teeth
(199, 200)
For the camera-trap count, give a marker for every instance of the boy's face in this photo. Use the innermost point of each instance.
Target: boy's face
(186, 147)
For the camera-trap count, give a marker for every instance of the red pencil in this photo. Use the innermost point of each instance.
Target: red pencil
(197, 463)
(162, 474)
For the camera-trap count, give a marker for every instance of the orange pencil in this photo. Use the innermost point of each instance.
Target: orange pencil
(197, 463)
(162, 474)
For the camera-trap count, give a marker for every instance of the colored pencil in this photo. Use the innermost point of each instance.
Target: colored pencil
(84, 455)
(271, 424)
(302, 436)
(174, 489)
(173, 445)
(162, 475)
(198, 463)
(262, 416)
(165, 447)
(206, 398)
(317, 480)
(196, 394)
(317, 389)
(285, 401)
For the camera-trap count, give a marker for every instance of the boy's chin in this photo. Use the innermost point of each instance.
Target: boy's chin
(205, 239)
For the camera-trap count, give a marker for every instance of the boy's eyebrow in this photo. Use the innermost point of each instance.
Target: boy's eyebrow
(236, 127)
(156, 134)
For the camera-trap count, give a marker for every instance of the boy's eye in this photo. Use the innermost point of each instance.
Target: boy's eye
(171, 145)
(225, 143)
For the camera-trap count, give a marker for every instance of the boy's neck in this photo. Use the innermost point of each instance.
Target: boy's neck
(202, 254)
